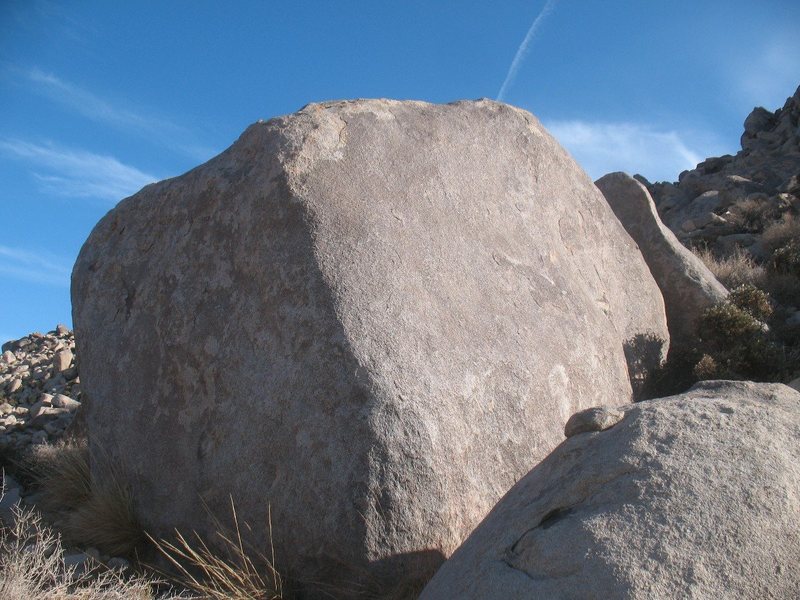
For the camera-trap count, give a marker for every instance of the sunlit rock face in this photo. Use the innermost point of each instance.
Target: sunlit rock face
(371, 317)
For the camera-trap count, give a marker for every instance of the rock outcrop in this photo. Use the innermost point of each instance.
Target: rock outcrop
(371, 316)
(688, 287)
(692, 496)
(727, 200)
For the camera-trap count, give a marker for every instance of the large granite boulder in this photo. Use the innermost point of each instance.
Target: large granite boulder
(692, 496)
(686, 283)
(372, 316)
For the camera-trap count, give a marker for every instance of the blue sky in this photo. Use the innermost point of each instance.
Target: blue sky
(99, 98)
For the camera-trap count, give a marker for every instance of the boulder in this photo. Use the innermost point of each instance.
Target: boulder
(688, 287)
(692, 496)
(371, 316)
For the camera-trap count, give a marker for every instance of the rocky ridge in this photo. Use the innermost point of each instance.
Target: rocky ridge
(40, 387)
(741, 215)
(726, 201)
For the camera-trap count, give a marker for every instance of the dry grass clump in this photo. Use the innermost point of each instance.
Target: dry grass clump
(236, 573)
(62, 473)
(91, 509)
(32, 567)
(754, 213)
(780, 234)
(734, 270)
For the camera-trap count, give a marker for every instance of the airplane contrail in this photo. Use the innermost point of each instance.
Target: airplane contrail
(523, 48)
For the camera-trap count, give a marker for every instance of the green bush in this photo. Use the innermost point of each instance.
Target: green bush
(734, 342)
(786, 259)
(752, 300)
(738, 343)
(706, 368)
(725, 323)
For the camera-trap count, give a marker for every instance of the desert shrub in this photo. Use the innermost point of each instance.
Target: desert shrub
(780, 234)
(733, 343)
(643, 353)
(738, 343)
(739, 268)
(786, 259)
(754, 301)
(706, 368)
(674, 376)
(783, 287)
(781, 241)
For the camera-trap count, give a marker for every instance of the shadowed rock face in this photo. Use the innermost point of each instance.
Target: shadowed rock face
(692, 496)
(688, 287)
(372, 316)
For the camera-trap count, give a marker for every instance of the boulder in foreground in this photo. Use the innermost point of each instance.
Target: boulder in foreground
(692, 496)
(372, 316)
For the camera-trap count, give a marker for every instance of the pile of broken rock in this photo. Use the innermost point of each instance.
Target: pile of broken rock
(40, 388)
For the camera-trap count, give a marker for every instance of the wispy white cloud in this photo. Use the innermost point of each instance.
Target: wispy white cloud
(91, 106)
(523, 48)
(603, 147)
(77, 173)
(34, 267)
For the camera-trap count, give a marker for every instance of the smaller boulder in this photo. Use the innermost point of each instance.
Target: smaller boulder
(62, 360)
(758, 121)
(62, 401)
(592, 419)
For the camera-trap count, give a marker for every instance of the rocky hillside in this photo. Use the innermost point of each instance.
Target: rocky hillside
(40, 388)
(729, 201)
(741, 215)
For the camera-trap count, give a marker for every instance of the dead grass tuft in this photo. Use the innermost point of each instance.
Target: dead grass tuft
(32, 567)
(780, 234)
(734, 270)
(62, 472)
(106, 521)
(92, 509)
(237, 573)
